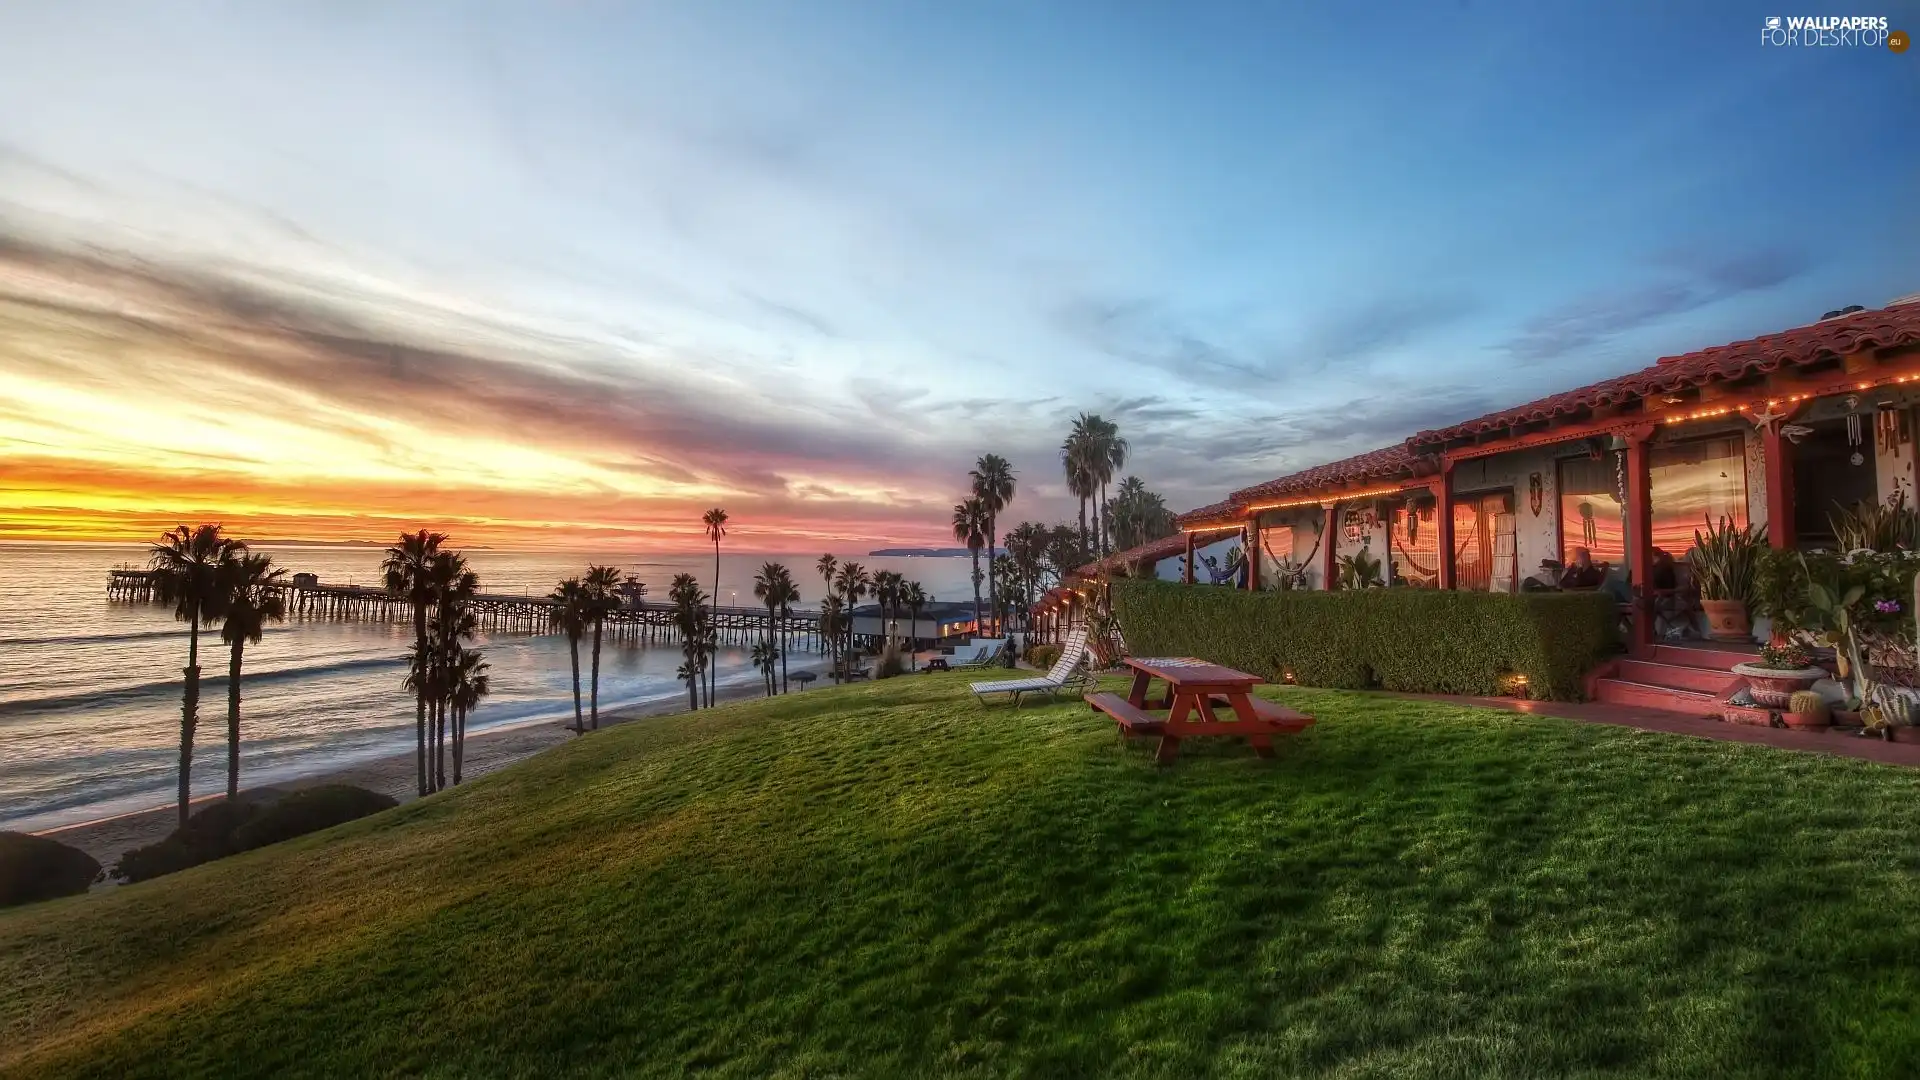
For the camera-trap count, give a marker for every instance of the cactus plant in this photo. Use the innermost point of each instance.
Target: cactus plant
(1807, 703)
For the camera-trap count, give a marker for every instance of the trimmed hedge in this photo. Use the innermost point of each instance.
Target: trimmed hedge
(309, 810)
(36, 868)
(1414, 640)
(224, 828)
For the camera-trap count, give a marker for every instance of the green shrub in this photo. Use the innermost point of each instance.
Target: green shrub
(1043, 656)
(1415, 640)
(36, 868)
(206, 836)
(309, 810)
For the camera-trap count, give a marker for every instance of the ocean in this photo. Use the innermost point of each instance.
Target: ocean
(90, 688)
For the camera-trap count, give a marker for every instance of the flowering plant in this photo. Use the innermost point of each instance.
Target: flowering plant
(1788, 657)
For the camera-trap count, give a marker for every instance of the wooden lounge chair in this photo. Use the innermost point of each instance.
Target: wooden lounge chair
(1069, 674)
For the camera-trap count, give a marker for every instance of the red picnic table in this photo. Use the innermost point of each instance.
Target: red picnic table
(1195, 688)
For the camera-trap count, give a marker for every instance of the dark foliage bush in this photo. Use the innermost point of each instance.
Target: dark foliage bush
(1414, 640)
(1043, 656)
(309, 810)
(207, 835)
(36, 868)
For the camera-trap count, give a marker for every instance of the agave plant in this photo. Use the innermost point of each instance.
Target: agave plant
(1360, 570)
(1877, 526)
(1726, 559)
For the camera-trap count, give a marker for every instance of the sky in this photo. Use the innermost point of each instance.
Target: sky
(569, 272)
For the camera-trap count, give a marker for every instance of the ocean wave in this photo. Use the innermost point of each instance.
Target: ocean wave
(210, 680)
(85, 639)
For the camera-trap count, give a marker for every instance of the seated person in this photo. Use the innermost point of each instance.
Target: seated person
(1582, 573)
(1545, 579)
(1664, 573)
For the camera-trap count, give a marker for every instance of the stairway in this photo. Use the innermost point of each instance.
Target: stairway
(1687, 679)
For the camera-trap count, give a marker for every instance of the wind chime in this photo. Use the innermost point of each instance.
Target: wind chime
(1892, 428)
(1854, 435)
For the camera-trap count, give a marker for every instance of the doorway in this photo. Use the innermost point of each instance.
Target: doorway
(1825, 479)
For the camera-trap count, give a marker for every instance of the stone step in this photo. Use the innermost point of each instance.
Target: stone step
(1701, 657)
(1713, 681)
(1663, 698)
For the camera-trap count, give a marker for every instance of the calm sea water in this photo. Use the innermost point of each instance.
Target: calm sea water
(90, 688)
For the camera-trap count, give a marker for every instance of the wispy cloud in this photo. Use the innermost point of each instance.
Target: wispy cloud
(1686, 282)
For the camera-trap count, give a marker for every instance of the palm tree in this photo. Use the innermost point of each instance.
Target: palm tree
(1076, 458)
(915, 598)
(716, 522)
(1001, 564)
(689, 616)
(789, 596)
(773, 585)
(453, 585)
(405, 571)
(467, 684)
(854, 581)
(830, 631)
(762, 656)
(253, 599)
(571, 604)
(603, 585)
(826, 565)
(969, 527)
(188, 567)
(993, 484)
(1109, 454)
(886, 589)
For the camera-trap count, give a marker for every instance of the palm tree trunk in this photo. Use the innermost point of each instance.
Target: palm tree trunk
(189, 712)
(716, 616)
(596, 674)
(976, 590)
(1083, 527)
(783, 658)
(420, 697)
(440, 744)
(993, 586)
(459, 742)
(579, 720)
(233, 721)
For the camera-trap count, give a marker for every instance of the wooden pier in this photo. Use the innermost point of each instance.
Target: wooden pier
(637, 620)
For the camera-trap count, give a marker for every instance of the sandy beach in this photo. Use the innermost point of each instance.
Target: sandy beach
(109, 838)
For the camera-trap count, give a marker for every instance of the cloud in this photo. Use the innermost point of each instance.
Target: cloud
(1230, 350)
(1691, 281)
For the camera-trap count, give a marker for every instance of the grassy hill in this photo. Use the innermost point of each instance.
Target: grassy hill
(892, 881)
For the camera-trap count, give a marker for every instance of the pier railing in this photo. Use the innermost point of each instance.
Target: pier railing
(636, 619)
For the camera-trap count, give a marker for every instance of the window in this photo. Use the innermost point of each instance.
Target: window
(1591, 513)
(1483, 542)
(1413, 539)
(1276, 547)
(1693, 482)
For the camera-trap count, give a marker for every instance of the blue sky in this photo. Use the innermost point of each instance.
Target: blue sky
(896, 235)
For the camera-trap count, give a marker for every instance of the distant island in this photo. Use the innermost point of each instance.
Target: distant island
(920, 553)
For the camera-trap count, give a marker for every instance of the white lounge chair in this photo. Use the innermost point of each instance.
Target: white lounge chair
(1069, 673)
(984, 651)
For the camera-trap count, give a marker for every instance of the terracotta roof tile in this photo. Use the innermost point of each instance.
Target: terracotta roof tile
(1225, 508)
(1801, 345)
(1385, 463)
(1153, 550)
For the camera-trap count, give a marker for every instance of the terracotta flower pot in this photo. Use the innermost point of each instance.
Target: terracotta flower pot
(1727, 620)
(1772, 687)
(1819, 721)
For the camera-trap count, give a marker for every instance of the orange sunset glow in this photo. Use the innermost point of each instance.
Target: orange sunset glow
(133, 399)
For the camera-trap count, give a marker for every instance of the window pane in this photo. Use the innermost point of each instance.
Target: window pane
(1591, 514)
(1692, 482)
(1483, 542)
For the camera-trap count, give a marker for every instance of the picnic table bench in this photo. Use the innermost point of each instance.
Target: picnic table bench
(1195, 690)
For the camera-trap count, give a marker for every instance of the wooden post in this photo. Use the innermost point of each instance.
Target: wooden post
(1640, 534)
(1443, 528)
(1779, 468)
(1329, 562)
(1253, 554)
(1186, 576)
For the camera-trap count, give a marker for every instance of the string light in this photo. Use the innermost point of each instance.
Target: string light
(1708, 414)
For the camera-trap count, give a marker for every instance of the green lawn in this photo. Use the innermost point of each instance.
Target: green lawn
(889, 881)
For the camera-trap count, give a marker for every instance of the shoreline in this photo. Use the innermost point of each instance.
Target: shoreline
(107, 839)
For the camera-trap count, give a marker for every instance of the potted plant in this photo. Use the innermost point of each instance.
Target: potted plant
(1725, 560)
(1782, 671)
